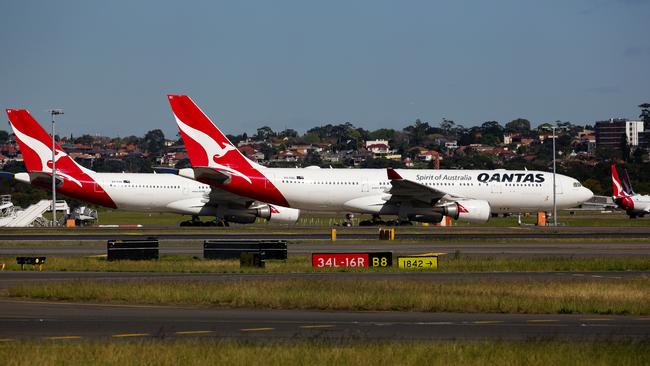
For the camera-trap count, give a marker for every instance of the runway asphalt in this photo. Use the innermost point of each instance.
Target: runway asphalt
(513, 248)
(65, 322)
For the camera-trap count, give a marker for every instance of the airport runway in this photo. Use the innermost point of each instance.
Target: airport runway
(64, 322)
(10, 278)
(513, 248)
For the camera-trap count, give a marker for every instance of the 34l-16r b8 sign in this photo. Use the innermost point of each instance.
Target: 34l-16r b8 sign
(351, 260)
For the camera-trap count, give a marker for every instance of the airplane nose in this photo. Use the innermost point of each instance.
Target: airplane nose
(587, 194)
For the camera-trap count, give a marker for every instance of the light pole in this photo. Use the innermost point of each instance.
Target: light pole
(554, 202)
(54, 112)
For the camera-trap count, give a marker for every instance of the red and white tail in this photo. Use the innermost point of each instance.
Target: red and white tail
(36, 147)
(617, 187)
(206, 145)
(209, 147)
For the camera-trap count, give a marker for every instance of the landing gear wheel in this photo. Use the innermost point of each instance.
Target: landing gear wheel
(195, 221)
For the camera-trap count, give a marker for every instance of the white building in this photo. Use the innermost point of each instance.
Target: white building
(632, 130)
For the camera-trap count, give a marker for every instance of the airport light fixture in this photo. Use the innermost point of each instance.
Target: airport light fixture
(54, 112)
(554, 201)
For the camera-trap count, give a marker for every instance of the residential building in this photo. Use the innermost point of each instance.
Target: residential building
(613, 133)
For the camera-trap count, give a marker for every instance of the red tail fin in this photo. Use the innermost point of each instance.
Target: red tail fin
(205, 144)
(209, 147)
(617, 187)
(36, 145)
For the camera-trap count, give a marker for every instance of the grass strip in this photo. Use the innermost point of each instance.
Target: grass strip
(211, 352)
(525, 296)
(454, 262)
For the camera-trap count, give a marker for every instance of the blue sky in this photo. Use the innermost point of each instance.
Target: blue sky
(298, 64)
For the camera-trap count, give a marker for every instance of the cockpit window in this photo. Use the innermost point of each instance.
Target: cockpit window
(577, 184)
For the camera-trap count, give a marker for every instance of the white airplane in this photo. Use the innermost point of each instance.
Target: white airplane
(412, 195)
(148, 192)
(634, 204)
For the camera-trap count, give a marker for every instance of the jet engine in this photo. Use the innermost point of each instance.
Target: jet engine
(476, 211)
(278, 214)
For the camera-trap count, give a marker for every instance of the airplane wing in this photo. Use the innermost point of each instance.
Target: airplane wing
(404, 189)
(218, 197)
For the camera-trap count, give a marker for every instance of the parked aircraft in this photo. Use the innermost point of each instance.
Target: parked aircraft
(635, 205)
(410, 194)
(148, 192)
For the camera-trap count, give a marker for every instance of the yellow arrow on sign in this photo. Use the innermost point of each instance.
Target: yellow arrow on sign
(418, 262)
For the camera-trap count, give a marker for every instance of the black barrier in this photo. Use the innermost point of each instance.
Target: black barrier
(34, 261)
(233, 248)
(136, 249)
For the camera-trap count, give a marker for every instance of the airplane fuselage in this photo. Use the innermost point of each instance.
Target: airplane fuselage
(636, 205)
(366, 190)
(144, 192)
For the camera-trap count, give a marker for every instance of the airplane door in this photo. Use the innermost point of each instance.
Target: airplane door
(495, 187)
(364, 185)
(558, 187)
(186, 190)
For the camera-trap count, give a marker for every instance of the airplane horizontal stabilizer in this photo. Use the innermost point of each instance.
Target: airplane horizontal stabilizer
(44, 178)
(211, 175)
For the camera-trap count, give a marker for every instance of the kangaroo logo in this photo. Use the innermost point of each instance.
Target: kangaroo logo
(44, 154)
(222, 151)
(619, 191)
(211, 148)
(58, 154)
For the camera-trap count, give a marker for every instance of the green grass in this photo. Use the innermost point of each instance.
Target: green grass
(212, 352)
(169, 263)
(454, 262)
(517, 296)
(545, 264)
